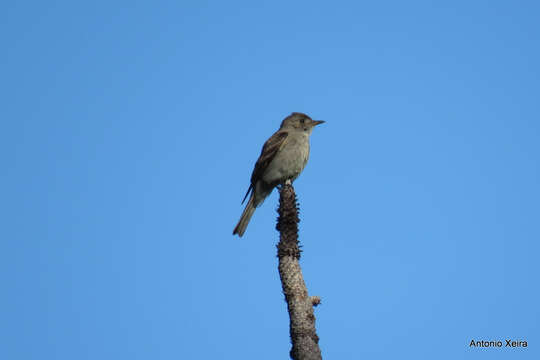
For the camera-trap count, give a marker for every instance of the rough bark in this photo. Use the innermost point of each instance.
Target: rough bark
(300, 306)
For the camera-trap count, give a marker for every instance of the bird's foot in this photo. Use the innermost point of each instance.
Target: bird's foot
(280, 186)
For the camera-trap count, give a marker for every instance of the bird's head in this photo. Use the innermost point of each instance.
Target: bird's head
(300, 121)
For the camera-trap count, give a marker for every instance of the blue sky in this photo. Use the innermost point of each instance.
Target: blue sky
(130, 130)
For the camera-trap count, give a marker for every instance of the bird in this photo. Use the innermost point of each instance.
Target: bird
(283, 157)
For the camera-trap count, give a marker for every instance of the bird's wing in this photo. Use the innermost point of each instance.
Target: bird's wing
(268, 152)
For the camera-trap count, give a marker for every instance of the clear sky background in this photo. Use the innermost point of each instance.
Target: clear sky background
(130, 130)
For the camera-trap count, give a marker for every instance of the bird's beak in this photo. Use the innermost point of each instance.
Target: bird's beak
(317, 122)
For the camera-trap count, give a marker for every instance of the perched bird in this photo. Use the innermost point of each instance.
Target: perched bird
(283, 157)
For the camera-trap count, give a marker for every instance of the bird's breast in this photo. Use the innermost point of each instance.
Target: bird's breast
(289, 161)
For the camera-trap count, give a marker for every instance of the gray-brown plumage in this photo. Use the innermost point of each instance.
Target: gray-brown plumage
(283, 157)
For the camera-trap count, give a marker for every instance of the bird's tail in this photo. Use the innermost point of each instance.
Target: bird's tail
(246, 216)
